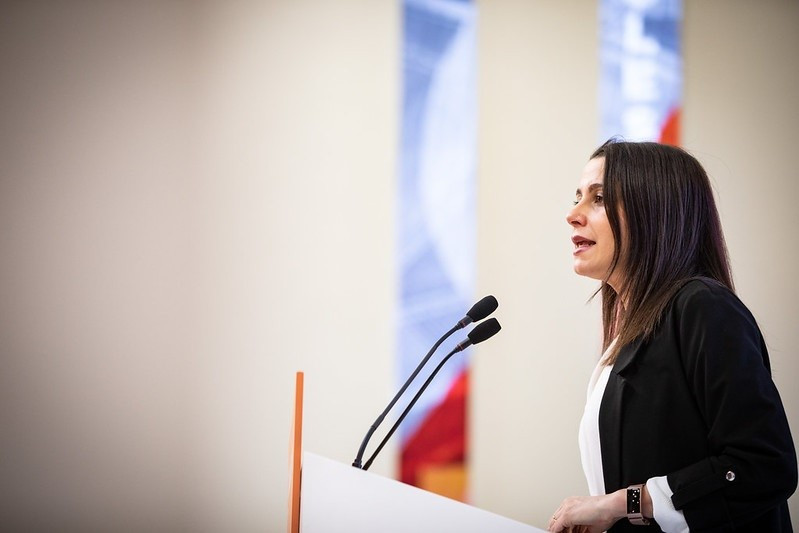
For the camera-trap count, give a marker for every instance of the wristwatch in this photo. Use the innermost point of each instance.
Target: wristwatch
(634, 506)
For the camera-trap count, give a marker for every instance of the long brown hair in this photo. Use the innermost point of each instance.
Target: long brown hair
(672, 234)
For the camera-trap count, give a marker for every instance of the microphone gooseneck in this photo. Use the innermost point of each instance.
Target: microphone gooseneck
(357, 462)
(479, 311)
(480, 333)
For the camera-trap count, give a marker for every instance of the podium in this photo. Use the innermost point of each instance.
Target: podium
(329, 496)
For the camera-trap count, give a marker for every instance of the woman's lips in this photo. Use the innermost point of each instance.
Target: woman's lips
(581, 244)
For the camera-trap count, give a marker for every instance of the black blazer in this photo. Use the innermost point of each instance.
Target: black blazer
(697, 403)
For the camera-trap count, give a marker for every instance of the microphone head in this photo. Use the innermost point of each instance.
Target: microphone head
(484, 330)
(482, 309)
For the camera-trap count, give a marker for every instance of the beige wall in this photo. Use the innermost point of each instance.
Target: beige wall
(197, 199)
(95, 313)
(294, 244)
(196, 202)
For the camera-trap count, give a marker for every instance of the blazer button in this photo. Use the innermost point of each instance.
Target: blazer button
(730, 476)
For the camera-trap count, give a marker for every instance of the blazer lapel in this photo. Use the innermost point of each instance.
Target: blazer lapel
(626, 356)
(611, 412)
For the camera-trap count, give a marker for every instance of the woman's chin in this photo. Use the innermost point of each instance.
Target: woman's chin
(581, 270)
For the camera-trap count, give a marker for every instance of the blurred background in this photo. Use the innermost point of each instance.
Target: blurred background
(198, 199)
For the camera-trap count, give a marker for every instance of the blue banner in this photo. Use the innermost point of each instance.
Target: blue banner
(436, 244)
(641, 69)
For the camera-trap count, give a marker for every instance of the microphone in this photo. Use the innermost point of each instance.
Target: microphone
(480, 333)
(479, 311)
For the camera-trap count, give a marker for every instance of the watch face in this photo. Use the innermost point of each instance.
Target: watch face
(634, 506)
(633, 500)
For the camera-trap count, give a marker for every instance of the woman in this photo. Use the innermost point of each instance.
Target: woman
(683, 427)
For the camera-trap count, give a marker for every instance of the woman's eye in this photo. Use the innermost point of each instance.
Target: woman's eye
(598, 199)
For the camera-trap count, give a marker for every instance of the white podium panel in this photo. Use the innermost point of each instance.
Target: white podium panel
(339, 498)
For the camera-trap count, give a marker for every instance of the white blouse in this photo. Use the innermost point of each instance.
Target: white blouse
(669, 519)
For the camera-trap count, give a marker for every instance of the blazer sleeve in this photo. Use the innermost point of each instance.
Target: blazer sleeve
(751, 466)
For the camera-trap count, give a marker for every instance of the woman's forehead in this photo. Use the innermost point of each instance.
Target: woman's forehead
(592, 175)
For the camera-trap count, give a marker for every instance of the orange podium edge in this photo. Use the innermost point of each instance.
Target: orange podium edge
(295, 456)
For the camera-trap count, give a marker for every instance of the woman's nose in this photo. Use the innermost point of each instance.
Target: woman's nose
(575, 217)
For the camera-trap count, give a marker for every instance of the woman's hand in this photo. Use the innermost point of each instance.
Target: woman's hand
(591, 514)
